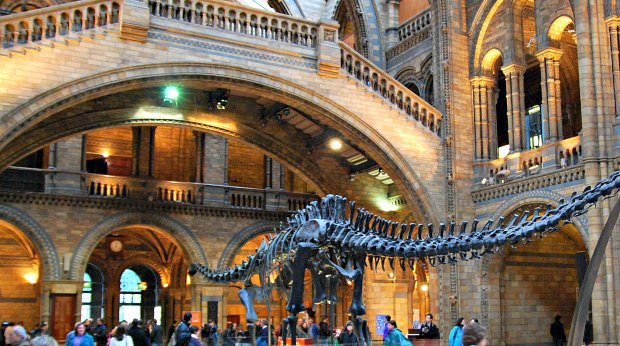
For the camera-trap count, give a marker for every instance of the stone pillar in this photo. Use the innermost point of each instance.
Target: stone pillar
(65, 157)
(151, 155)
(549, 59)
(613, 25)
(268, 172)
(328, 49)
(135, 151)
(278, 175)
(393, 19)
(515, 105)
(143, 151)
(215, 168)
(199, 140)
(482, 94)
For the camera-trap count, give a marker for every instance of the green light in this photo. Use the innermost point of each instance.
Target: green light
(171, 94)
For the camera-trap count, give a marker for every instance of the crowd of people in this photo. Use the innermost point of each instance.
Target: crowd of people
(139, 333)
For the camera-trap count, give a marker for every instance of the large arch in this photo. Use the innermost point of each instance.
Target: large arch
(183, 235)
(35, 233)
(242, 237)
(492, 267)
(24, 117)
(478, 30)
(542, 197)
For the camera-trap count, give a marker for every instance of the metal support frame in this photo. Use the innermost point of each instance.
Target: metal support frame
(580, 314)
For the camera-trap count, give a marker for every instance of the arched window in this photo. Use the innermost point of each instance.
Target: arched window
(131, 296)
(92, 293)
(86, 296)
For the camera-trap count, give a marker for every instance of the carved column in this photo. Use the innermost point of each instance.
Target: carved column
(613, 26)
(515, 105)
(549, 59)
(484, 131)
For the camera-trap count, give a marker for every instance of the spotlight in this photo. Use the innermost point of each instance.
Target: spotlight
(171, 95)
(335, 144)
(424, 287)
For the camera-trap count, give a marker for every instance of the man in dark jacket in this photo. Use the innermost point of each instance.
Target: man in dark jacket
(137, 334)
(157, 334)
(557, 332)
(101, 333)
(429, 330)
(183, 333)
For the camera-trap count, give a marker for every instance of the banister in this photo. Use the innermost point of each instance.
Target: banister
(393, 91)
(21, 16)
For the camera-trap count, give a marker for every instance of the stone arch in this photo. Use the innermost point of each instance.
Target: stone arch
(490, 61)
(541, 196)
(41, 240)
(240, 238)
(491, 267)
(479, 27)
(183, 235)
(22, 118)
(550, 32)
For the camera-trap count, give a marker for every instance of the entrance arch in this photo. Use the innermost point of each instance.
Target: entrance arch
(186, 240)
(23, 119)
(540, 279)
(20, 222)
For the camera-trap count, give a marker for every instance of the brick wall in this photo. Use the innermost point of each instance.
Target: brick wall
(175, 154)
(246, 166)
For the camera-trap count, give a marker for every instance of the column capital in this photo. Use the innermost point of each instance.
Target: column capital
(613, 21)
(549, 53)
(516, 67)
(482, 81)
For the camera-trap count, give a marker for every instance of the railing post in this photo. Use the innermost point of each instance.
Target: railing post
(135, 18)
(328, 49)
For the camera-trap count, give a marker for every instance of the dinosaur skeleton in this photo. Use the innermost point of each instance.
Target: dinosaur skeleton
(334, 245)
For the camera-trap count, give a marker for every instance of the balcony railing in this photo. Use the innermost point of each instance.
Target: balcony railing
(551, 164)
(389, 88)
(231, 17)
(55, 23)
(410, 33)
(415, 24)
(130, 188)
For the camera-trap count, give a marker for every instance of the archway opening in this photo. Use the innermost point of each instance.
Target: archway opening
(20, 300)
(139, 294)
(142, 272)
(540, 280)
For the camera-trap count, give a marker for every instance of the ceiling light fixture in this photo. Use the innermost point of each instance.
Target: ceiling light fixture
(335, 144)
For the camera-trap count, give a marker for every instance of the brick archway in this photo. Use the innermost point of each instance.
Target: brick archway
(38, 236)
(331, 113)
(240, 238)
(183, 236)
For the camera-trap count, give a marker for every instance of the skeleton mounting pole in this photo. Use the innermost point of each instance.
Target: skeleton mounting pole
(585, 293)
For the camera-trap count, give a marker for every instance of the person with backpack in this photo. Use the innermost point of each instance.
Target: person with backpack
(395, 336)
(182, 332)
(456, 334)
